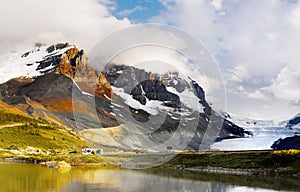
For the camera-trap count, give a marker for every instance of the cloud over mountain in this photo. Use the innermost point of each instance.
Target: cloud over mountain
(255, 44)
(49, 21)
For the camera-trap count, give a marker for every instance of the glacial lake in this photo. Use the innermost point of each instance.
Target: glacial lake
(37, 178)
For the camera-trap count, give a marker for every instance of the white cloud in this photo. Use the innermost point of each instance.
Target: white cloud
(253, 41)
(81, 22)
(167, 3)
(257, 95)
(159, 59)
(127, 12)
(237, 74)
(286, 84)
(217, 3)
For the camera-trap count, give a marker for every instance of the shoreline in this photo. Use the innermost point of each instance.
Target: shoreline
(266, 163)
(246, 172)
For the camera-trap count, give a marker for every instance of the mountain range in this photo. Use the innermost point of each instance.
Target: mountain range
(121, 107)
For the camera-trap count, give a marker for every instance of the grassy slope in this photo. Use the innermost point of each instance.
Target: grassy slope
(34, 133)
(46, 137)
(40, 134)
(9, 117)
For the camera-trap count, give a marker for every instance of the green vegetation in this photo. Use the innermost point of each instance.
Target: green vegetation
(39, 136)
(285, 163)
(10, 118)
(30, 140)
(19, 131)
(73, 159)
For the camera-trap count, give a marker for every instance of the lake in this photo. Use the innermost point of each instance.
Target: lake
(30, 178)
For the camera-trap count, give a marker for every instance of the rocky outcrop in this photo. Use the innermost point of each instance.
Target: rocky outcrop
(287, 143)
(69, 62)
(11, 87)
(103, 87)
(72, 63)
(154, 90)
(142, 84)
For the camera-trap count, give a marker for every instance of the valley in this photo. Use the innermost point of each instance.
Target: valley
(60, 104)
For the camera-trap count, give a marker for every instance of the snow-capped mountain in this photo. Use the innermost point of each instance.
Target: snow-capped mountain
(42, 83)
(46, 79)
(294, 122)
(155, 90)
(31, 64)
(180, 99)
(291, 142)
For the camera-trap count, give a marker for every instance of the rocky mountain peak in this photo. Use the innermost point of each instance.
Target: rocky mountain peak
(60, 58)
(143, 85)
(69, 62)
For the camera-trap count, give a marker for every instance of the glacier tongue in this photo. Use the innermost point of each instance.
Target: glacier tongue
(262, 139)
(264, 134)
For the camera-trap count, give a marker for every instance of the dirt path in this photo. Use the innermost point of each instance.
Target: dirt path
(11, 125)
(18, 124)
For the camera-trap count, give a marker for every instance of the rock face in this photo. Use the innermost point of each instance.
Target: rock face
(69, 62)
(287, 143)
(72, 63)
(103, 87)
(154, 90)
(136, 82)
(201, 95)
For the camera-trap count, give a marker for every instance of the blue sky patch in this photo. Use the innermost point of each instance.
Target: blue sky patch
(137, 11)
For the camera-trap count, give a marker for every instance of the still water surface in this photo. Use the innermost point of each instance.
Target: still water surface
(30, 178)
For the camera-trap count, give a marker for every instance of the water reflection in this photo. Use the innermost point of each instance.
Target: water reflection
(25, 178)
(124, 181)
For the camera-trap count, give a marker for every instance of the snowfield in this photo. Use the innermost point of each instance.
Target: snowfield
(263, 138)
(25, 65)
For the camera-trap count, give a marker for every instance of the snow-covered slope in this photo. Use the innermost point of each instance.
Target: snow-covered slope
(154, 107)
(154, 93)
(187, 98)
(29, 64)
(294, 122)
(249, 123)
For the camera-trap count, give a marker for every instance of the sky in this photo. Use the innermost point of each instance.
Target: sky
(255, 43)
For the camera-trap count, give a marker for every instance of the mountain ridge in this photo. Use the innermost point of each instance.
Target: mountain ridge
(64, 71)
